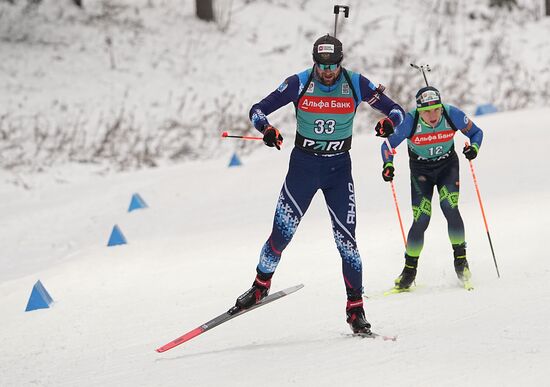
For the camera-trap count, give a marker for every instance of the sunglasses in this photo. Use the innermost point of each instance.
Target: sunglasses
(331, 67)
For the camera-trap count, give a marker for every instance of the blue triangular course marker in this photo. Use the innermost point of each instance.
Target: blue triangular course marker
(136, 203)
(116, 238)
(485, 109)
(235, 162)
(39, 299)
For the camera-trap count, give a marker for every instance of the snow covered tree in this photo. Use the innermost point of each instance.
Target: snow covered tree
(75, 2)
(504, 3)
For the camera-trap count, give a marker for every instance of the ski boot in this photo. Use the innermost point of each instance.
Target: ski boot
(356, 317)
(461, 266)
(258, 291)
(407, 276)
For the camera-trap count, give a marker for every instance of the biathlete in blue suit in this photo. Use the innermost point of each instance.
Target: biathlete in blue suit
(325, 98)
(429, 130)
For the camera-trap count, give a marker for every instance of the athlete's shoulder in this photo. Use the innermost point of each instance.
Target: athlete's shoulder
(404, 129)
(304, 75)
(457, 116)
(292, 84)
(451, 109)
(352, 74)
(365, 82)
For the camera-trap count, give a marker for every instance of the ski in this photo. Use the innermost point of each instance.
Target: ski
(465, 283)
(466, 280)
(371, 335)
(224, 317)
(397, 290)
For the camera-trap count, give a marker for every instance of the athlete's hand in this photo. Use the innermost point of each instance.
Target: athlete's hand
(272, 137)
(384, 127)
(470, 151)
(387, 172)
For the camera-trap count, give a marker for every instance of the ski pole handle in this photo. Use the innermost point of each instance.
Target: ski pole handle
(227, 135)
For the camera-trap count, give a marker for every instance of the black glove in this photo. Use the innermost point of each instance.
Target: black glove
(384, 127)
(387, 173)
(272, 137)
(470, 151)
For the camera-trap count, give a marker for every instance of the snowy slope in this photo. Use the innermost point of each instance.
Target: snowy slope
(195, 249)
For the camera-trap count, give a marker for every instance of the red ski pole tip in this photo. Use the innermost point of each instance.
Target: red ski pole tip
(225, 134)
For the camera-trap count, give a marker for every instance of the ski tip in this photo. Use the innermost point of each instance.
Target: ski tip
(468, 285)
(396, 291)
(389, 338)
(293, 289)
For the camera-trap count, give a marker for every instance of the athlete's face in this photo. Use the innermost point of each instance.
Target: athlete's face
(432, 116)
(328, 74)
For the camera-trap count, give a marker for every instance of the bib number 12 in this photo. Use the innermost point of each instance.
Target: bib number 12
(434, 151)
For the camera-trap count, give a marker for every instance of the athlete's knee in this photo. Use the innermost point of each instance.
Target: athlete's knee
(448, 200)
(450, 210)
(421, 224)
(422, 213)
(450, 214)
(277, 243)
(421, 218)
(351, 259)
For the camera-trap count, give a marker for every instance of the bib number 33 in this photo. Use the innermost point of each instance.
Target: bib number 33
(324, 126)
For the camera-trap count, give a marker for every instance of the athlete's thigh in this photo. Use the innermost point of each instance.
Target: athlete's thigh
(422, 186)
(449, 176)
(339, 191)
(301, 182)
(448, 184)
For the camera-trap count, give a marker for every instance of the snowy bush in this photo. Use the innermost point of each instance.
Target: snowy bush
(131, 84)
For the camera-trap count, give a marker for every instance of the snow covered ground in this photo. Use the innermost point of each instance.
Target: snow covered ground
(195, 249)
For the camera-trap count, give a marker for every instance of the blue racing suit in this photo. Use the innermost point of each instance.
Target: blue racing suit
(320, 160)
